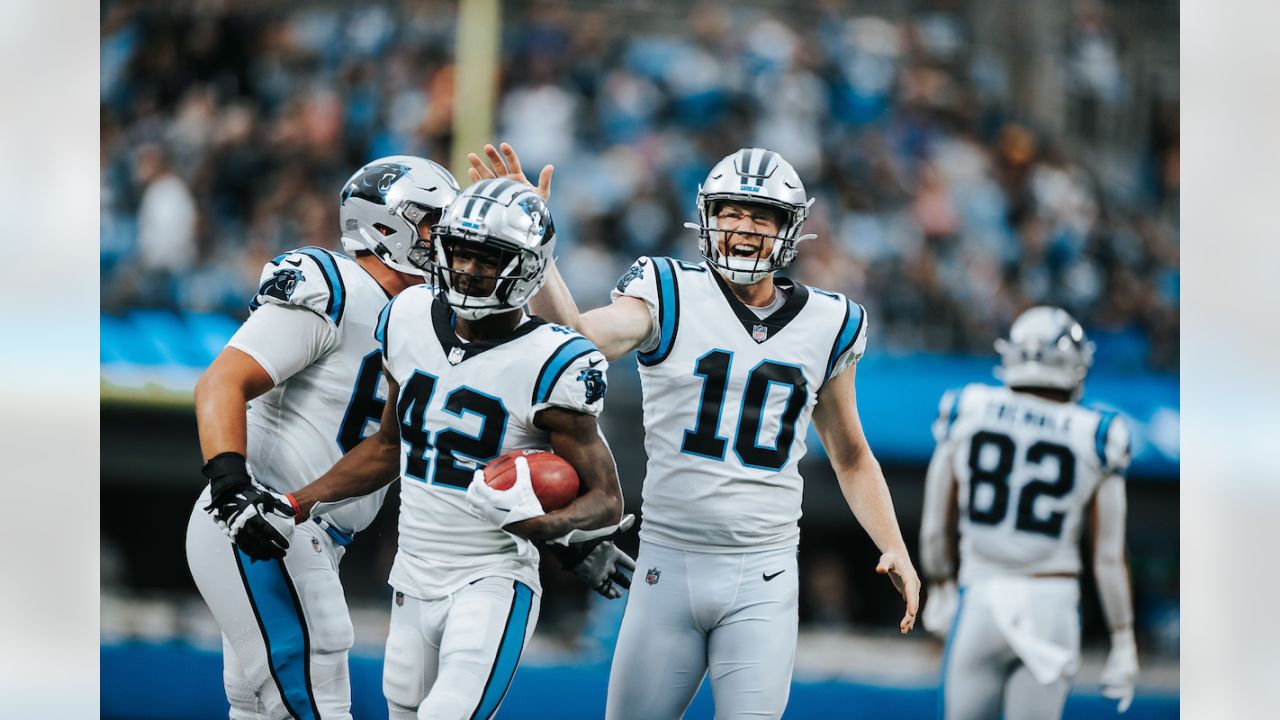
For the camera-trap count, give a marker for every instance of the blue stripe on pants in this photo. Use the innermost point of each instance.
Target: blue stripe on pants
(284, 630)
(509, 649)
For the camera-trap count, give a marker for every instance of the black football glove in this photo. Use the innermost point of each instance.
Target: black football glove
(598, 563)
(229, 480)
(258, 521)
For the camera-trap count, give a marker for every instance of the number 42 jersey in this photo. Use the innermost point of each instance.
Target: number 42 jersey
(461, 405)
(728, 398)
(1026, 469)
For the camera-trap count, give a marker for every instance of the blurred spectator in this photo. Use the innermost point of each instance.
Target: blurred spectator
(939, 207)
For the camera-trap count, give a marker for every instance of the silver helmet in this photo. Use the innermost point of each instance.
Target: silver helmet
(753, 176)
(383, 203)
(504, 220)
(1046, 348)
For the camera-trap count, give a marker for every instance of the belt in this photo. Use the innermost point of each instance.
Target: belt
(342, 537)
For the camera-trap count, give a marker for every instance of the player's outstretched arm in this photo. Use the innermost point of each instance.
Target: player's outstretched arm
(576, 438)
(370, 465)
(616, 329)
(862, 482)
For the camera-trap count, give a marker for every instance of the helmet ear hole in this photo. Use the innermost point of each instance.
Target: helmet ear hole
(384, 229)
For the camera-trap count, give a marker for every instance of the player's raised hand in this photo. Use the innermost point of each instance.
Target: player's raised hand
(903, 576)
(506, 164)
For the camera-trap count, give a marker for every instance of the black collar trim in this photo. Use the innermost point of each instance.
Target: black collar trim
(442, 318)
(774, 323)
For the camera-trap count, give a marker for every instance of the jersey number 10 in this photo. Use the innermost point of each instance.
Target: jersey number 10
(703, 439)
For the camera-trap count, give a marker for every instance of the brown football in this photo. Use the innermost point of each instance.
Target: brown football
(555, 482)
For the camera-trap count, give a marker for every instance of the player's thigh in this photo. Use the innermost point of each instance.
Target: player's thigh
(490, 621)
(661, 654)
(751, 652)
(259, 605)
(412, 657)
(1026, 698)
(975, 664)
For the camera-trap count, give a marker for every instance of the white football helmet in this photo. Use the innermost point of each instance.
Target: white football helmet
(1046, 348)
(754, 176)
(508, 221)
(395, 193)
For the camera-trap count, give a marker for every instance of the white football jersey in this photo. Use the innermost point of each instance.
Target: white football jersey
(727, 401)
(1026, 470)
(301, 427)
(461, 405)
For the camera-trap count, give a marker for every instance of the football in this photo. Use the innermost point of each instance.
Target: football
(555, 482)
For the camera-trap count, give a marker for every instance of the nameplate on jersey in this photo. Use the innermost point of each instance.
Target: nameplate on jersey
(759, 333)
(456, 355)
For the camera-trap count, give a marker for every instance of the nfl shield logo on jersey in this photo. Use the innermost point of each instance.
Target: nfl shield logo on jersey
(315, 544)
(400, 598)
(759, 333)
(455, 355)
(652, 576)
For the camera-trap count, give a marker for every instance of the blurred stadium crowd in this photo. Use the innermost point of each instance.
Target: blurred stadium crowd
(228, 127)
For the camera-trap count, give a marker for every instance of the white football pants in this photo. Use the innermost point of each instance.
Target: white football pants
(689, 612)
(1013, 647)
(285, 627)
(453, 658)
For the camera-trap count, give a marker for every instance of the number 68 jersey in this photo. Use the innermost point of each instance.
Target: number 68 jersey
(1026, 469)
(461, 405)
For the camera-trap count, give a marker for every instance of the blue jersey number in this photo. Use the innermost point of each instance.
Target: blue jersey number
(703, 440)
(435, 455)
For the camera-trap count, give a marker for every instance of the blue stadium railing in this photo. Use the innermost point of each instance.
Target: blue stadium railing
(155, 356)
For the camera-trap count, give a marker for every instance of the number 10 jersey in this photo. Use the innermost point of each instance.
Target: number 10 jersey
(727, 400)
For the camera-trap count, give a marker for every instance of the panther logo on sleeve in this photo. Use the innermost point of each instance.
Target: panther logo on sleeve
(635, 271)
(594, 380)
(282, 284)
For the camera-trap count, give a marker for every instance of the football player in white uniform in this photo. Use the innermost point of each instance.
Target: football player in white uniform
(733, 365)
(470, 378)
(307, 364)
(1019, 471)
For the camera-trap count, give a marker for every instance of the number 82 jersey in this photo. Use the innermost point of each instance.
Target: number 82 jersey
(1026, 469)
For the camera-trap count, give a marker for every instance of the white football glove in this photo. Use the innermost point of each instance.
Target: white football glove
(576, 536)
(263, 525)
(940, 607)
(503, 507)
(1120, 674)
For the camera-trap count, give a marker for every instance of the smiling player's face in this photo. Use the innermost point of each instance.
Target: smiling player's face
(738, 221)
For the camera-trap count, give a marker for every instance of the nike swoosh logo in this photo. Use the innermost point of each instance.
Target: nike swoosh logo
(767, 577)
(295, 263)
(593, 363)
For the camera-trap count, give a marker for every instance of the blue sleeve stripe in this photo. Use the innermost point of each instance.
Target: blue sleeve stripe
(380, 332)
(510, 647)
(853, 316)
(955, 412)
(337, 291)
(1100, 438)
(555, 366)
(276, 607)
(668, 312)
